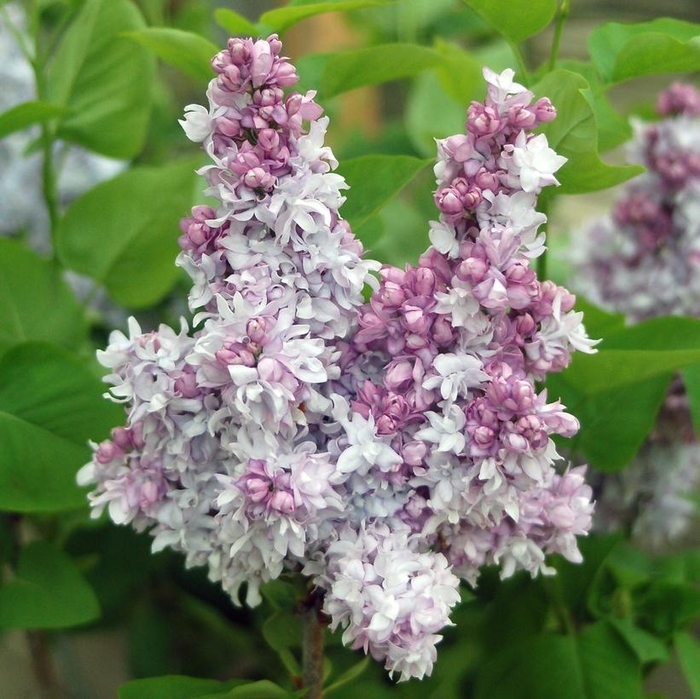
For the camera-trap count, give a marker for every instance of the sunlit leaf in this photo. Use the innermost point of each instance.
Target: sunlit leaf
(27, 114)
(355, 68)
(234, 23)
(574, 134)
(282, 18)
(374, 180)
(664, 45)
(123, 233)
(104, 80)
(189, 52)
(688, 650)
(516, 20)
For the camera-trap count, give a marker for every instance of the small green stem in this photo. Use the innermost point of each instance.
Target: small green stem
(562, 15)
(312, 648)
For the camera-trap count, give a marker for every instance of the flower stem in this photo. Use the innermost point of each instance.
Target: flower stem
(562, 15)
(312, 648)
(42, 665)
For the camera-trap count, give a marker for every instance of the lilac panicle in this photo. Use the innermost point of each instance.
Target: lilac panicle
(642, 259)
(385, 449)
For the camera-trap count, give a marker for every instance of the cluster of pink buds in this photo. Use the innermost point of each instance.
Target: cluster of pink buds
(386, 449)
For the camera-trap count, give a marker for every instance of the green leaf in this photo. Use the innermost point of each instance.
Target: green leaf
(282, 18)
(51, 404)
(516, 20)
(614, 129)
(27, 114)
(283, 631)
(123, 233)
(189, 52)
(376, 179)
(664, 45)
(234, 23)
(48, 592)
(597, 664)
(350, 675)
(691, 382)
(647, 647)
(614, 422)
(29, 285)
(355, 68)
(574, 134)
(263, 689)
(173, 687)
(688, 651)
(104, 81)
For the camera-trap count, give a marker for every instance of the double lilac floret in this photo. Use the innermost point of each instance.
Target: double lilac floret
(383, 449)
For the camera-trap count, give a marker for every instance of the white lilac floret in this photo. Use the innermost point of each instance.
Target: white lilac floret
(385, 449)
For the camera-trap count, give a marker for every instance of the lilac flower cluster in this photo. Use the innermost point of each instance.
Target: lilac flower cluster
(643, 259)
(383, 449)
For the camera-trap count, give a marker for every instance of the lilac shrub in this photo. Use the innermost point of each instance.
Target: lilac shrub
(643, 259)
(387, 449)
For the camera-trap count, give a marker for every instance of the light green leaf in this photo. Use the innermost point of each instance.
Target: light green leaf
(174, 687)
(48, 592)
(104, 81)
(459, 74)
(688, 651)
(355, 68)
(263, 689)
(664, 45)
(516, 20)
(234, 23)
(29, 285)
(376, 179)
(51, 404)
(123, 233)
(613, 127)
(27, 114)
(189, 52)
(282, 18)
(574, 134)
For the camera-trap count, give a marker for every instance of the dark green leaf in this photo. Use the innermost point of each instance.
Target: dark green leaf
(51, 404)
(597, 664)
(574, 134)
(29, 286)
(173, 687)
(576, 581)
(348, 676)
(614, 422)
(518, 20)
(647, 647)
(282, 18)
(189, 52)
(374, 180)
(623, 51)
(688, 652)
(123, 233)
(348, 70)
(666, 607)
(48, 592)
(283, 631)
(26, 114)
(103, 79)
